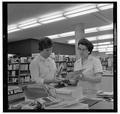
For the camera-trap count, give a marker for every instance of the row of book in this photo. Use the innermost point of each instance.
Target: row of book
(18, 66)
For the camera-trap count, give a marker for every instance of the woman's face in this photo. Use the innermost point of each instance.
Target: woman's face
(83, 51)
(48, 52)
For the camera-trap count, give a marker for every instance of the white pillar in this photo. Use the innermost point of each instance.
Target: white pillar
(79, 34)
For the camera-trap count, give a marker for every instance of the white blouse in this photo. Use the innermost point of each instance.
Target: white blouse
(91, 66)
(41, 68)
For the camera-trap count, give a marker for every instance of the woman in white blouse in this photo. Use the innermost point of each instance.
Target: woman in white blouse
(43, 68)
(87, 69)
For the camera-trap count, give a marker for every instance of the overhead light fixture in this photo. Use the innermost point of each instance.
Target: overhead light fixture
(105, 6)
(102, 50)
(50, 16)
(53, 20)
(83, 9)
(91, 38)
(14, 30)
(107, 27)
(81, 13)
(107, 36)
(104, 46)
(72, 33)
(54, 36)
(71, 41)
(11, 27)
(103, 43)
(109, 49)
(105, 50)
(28, 24)
(90, 30)
(95, 49)
(57, 16)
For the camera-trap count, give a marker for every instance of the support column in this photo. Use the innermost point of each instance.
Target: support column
(79, 34)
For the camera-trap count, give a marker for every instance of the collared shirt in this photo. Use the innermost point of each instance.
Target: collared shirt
(41, 68)
(91, 66)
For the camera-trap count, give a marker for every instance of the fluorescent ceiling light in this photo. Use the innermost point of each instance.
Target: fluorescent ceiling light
(54, 36)
(91, 38)
(80, 9)
(103, 43)
(107, 36)
(107, 27)
(53, 20)
(89, 30)
(104, 7)
(14, 30)
(102, 50)
(57, 16)
(27, 22)
(30, 26)
(71, 41)
(105, 50)
(11, 27)
(48, 17)
(72, 33)
(104, 46)
(101, 5)
(95, 49)
(82, 13)
(109, 49)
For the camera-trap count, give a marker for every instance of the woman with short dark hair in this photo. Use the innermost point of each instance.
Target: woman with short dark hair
(87, 69)
(87, 43)
(43, 68)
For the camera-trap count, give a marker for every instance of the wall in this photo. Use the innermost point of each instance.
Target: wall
(34, 46)
(29, 46)
(63, 49)
(21, 48)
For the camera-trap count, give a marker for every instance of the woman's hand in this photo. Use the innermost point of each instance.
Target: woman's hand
(74, 75)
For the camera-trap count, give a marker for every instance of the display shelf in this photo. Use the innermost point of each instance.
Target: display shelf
(67, 65)
(18, 71)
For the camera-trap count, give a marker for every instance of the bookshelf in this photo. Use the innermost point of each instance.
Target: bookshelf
(66, 62)
(18, 74)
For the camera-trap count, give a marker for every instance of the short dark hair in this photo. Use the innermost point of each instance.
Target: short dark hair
(87, 43)
(45, 43)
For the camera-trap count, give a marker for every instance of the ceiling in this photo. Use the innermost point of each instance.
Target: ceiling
(21, 11)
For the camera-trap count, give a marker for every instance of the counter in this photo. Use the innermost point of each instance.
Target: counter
(90, 103)
(76, 94)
